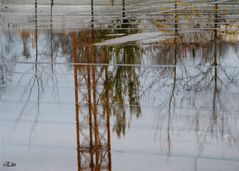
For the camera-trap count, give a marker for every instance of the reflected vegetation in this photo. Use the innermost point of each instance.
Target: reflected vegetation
(191, 78)
(113, 89)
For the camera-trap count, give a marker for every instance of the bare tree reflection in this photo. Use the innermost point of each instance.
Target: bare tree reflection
(7, 59)
(103, 91)
(193, 82)
(34, 81)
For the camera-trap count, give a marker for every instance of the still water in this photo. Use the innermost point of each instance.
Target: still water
(119, 85)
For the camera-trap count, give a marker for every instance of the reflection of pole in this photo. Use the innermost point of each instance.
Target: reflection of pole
(108, 113)
(216, 17)
(124, 14)
(36, 30)
(94, 87)
(95, 110)
(76, 103)
(94, 143)
(89, 103)
(176, 18)
(123, 9)
(52, 2)
(51, 37)
(36, 37)
(92, 15)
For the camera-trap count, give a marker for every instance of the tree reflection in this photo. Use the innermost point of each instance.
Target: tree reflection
(25, 37)
(117, 90)
(7, 59)
(190, 83)
(123, 83)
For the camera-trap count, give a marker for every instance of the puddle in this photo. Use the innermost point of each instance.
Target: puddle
(119, 85)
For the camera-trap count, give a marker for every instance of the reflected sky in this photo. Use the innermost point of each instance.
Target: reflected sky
(110, 95)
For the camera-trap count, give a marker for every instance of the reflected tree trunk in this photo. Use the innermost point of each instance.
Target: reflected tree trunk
(172, 96)
(2, 75)
(25, 36)
(36, 78)
(216, 91)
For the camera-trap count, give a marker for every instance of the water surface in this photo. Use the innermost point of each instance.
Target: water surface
(119, 85)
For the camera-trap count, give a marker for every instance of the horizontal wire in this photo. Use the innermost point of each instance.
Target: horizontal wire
(154, 22)
(182, 8)
(173, 9)
(114, 17)
(127, 4)
(117, 65)
(126, 65)
(118, 14)
(81, 88)
(86, 105)
(122, 29)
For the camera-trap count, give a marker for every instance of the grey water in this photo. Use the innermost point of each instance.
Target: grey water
(119, 85)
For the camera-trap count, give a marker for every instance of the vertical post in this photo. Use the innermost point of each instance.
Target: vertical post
(94, 102)
(36, 34)
(176, 32)
(123, 9)
(176, 17)
(36, 59)
(216, 19)
(123, 13)
(92, 15)
(76, 102)
(89, 102)
(108, 113)
(94, 87)
(51, 32)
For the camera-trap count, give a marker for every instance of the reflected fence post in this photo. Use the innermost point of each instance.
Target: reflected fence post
(107, 105)
(216, 19)
(51, 32)
(91, 50)
(36, 36)
(76, 102)
(89, 101)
